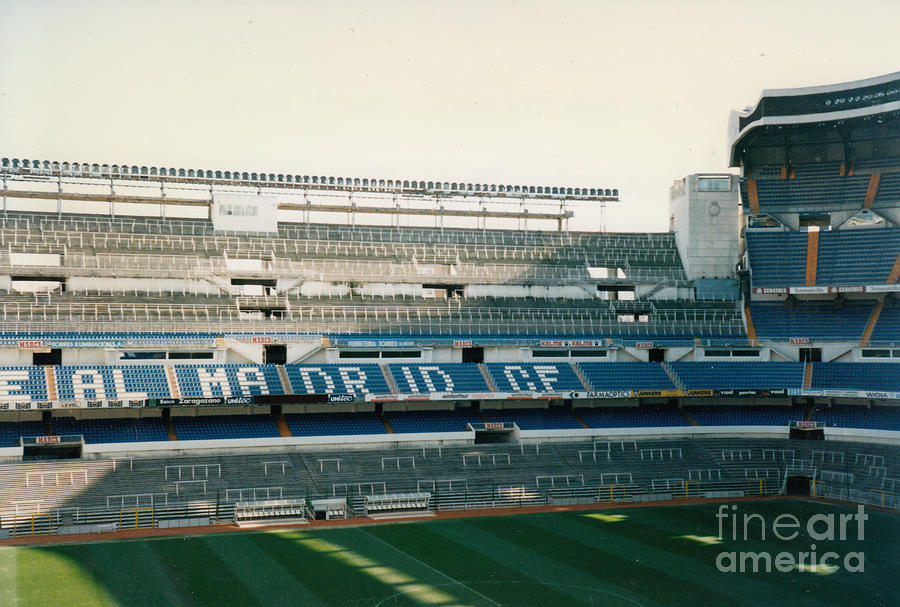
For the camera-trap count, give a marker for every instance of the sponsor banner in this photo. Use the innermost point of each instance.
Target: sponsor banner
(651, 393)
(845, 289)
(202, 401)
(822, 290)
(46, 440)
(31, 345)
(597, 394)
(450, 396)
(809, 290)
(70, 404)
(261, 339)
(643, 345)
(341, 398)
(862, 394)
(698, 393)
(805, 425)
(86, 343)
(883, 288)
(799, 341)
(493, 425)
(481, 395)
(873, 394)
(882, 394)
(381, 343)
(462, 343)
(753, 392)
(770, 290)
(572, 343)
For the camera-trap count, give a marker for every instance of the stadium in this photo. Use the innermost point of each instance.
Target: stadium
(207, 349)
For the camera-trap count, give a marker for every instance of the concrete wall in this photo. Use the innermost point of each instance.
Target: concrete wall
(706, 226)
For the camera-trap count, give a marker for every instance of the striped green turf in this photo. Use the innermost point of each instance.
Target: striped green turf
(563, 558)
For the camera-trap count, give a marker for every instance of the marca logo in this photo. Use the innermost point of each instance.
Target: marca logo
(261, 339)
(31, 345)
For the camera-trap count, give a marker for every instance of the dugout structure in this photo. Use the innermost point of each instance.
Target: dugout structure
(266, 511)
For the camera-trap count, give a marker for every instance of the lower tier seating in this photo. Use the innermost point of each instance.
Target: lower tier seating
(632, 417)
(333, 424)
(431, 421)
(750, 415)
(849, 416)
(112, 431)
(534, 419)
(224, 427)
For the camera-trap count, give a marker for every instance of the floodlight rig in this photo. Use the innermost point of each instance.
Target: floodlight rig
(381, 190)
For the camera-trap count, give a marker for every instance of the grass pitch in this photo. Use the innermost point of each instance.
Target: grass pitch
(630, 556)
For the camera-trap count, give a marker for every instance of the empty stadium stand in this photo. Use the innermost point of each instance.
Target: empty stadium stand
(739, 375)
(626, 376)
(856, 376)
(337, 379)
(534, 377)
(445, 377)
(830, 320)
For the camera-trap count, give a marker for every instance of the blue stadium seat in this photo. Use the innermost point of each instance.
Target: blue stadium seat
(534, 377)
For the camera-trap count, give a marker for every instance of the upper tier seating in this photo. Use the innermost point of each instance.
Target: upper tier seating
(856, 376)
(360, 315)
(224, 427)
(813, 320)
(534, 377)
(22, 384)
(227, 380)
(120, 382)
(443, 377)
(626, 376)
(845, 257)
(194, 242)
(337, 379)
(738, 375)
(777, 259)
(857, 257)
(820, 186)
(887, 329)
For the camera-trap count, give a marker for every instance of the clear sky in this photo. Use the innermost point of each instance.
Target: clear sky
(628, 94)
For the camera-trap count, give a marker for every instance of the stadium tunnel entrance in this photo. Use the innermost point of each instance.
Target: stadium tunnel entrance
(798, 485)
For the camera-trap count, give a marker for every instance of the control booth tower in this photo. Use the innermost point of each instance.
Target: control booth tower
(704, 213)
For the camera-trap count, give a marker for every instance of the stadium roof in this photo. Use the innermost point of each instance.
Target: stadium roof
(860, 100)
